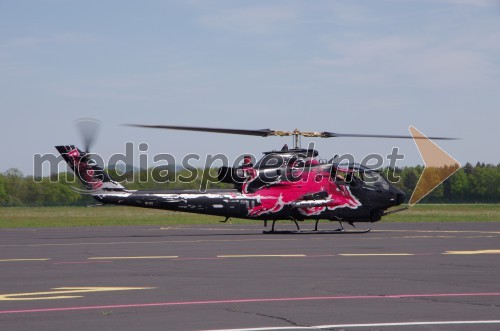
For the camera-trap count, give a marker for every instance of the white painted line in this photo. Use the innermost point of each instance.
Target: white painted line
(21, 260)
(321, 327)
(486, 251)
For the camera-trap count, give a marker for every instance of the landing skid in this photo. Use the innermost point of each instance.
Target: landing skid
(340, 230)
(316, 232)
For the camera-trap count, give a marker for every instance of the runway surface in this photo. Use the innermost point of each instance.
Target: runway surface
(416, 276)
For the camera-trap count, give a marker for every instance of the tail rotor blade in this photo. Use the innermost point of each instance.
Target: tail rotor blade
(89, 129)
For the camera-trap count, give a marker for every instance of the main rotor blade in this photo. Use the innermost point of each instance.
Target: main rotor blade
(355, 135)
(269, 132)
(259, 133)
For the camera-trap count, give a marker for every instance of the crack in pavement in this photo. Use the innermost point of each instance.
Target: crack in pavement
(468, 265)
(459, 302)
(264, 315)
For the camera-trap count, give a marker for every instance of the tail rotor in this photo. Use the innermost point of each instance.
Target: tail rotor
(89, 129)
(93, 176)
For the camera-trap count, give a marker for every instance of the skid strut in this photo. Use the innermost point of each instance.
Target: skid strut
(340, 230)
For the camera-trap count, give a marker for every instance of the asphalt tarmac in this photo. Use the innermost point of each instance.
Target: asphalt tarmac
(412, 276)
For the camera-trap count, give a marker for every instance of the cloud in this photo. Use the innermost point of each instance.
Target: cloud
(460, 59)
(480, 3)
(26, 56)
(260, 19)
(349, 13)
(401, 60)
(20, 43)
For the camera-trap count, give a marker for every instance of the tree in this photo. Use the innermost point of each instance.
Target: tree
(459, 186)
(3, 194)
(410, 178)
(478, 184)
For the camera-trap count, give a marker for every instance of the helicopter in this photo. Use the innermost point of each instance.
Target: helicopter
(289, 184)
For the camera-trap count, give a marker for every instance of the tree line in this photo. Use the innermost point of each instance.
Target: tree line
(478, 183)
(470, 184)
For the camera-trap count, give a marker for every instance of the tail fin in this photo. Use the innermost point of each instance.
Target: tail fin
(85, 168)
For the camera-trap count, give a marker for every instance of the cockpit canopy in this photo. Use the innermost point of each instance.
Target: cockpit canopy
(277, 159)
(357, 173)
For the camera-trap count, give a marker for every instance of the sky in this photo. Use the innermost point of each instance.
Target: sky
(339, 66)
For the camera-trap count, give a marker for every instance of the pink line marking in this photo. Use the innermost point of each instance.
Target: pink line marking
(197, 258)
(211, 302)
(321, 255)
(85, 262)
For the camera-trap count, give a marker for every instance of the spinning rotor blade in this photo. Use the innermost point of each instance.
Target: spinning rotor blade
(269, 132)
(336, 135)
(259, 133)
(88, 128)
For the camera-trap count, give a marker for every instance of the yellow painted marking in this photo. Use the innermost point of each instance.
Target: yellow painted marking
(378, 254)
(62, 293)
(486, 251)
(20, 260)
(271, 255)
(130, 257)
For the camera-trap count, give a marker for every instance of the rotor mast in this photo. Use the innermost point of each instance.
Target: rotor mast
(296, 133)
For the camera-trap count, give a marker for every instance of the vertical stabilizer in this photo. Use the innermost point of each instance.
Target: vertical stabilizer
(86, 169)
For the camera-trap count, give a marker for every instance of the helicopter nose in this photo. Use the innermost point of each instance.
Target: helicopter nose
(401, 198)
(397, 196)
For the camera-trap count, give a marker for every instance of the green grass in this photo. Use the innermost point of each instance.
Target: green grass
(447, 213)
(16, 217)
(20, 217)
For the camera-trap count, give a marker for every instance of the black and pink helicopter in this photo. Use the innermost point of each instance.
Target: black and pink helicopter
(288, 184)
